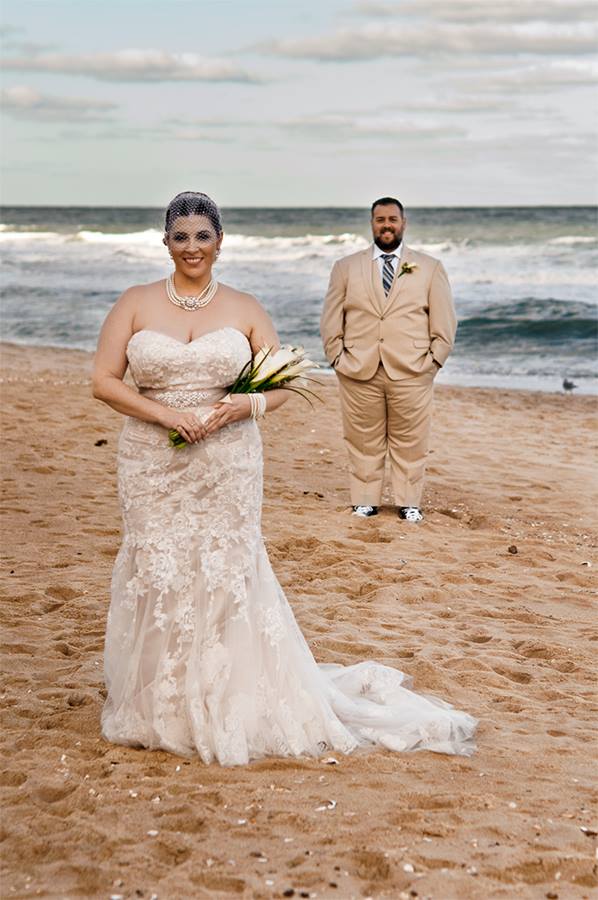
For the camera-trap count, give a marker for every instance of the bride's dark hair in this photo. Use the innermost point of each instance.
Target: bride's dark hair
(193, 203)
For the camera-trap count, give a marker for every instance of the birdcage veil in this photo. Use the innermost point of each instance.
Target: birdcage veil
(193, 203)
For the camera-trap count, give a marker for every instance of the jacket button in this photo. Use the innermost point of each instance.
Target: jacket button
(381, 341)
(381, 318)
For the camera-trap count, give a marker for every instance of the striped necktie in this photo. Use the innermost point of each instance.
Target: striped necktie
(388, 272)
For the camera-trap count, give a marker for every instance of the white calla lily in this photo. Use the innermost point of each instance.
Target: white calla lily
(268, 370)
(294, 371)
(260, 356)
(274, 363)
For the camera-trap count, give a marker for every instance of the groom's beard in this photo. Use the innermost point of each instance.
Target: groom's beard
(389, 240)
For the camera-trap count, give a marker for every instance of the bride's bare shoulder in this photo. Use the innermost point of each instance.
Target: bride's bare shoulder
(239, 298)
(141, 290)
(138, 293)
(251, 317)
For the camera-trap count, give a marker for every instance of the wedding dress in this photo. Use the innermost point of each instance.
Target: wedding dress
(203, 654)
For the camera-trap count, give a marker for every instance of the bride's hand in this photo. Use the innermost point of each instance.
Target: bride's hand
(233, 409)
(188, 425)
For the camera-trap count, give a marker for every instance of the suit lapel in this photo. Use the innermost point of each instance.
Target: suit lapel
(372, 280)
(399, 280)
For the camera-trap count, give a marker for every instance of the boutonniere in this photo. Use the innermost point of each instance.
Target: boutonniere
(407, 268)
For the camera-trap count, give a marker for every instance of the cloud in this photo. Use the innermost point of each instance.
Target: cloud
(535, 79)
(227, 124)
(370, 42)
(134, 65)
(482, 10)
(533, 148)
(443, 105)
(200, 137)
(164, 131)
(349, 128)
(383, 123)
(23, 102)
(115, 132)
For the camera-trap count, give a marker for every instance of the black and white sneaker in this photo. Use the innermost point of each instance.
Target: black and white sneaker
(410, 513)
(365, 511)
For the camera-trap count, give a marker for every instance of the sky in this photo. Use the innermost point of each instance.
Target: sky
(302, 103)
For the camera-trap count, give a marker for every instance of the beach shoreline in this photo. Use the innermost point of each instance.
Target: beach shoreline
(522, 279)
(587, 387)
(490, 604)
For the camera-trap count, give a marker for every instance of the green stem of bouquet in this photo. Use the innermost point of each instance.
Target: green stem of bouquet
(177, 440)
(244, 384)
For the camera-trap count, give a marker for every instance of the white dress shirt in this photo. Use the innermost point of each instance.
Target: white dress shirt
(377, 254)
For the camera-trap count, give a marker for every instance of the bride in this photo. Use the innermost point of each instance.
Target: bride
(203, 654)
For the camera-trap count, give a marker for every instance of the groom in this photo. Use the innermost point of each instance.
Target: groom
(388, 325)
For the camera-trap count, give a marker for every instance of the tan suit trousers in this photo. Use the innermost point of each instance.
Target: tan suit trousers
(381, 417)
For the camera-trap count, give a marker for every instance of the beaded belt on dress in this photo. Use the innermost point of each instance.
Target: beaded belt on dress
(182, 399)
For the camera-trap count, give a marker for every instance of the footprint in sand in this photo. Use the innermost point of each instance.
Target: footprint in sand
(451, 513)
(62, 592)
(350, 647)
(372, 865)
(518, 615)
(76, 699)
(536, 650)
(515, 675)
(52, 793)
(477, 522)
(12, 779)
(215, 882)
(372, 537)
(507, 704)
(50, 694)
(180, 819)
(170, 851)
(565, 665)
(65, 649)
(51, 606)
(21, 649)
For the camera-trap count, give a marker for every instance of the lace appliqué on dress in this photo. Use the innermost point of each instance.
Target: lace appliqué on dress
(203, 654)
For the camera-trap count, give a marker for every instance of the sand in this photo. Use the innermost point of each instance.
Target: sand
(488, 604)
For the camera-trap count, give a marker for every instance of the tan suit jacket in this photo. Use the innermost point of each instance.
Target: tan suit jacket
(407, 331)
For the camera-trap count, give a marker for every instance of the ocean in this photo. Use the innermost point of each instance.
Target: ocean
(524, 279)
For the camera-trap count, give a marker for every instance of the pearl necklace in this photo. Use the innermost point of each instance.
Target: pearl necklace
(187, 302)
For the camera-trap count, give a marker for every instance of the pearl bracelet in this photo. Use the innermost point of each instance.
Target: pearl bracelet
(258, 405)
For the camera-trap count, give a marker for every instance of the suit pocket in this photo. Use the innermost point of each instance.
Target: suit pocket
(348, 346)
(423, 345)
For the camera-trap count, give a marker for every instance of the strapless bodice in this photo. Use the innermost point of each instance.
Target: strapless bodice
(180, 374)
(203, 653)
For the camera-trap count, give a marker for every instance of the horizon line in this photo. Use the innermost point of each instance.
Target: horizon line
(323, 207)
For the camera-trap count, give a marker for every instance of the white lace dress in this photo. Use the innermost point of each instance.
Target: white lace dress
(203, 654)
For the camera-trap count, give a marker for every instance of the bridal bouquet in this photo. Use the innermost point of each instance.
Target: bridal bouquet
(286, 368)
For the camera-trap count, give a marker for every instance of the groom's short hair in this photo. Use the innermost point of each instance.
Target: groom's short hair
(387, 201)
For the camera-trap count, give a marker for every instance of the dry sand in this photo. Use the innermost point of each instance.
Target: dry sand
(507, 636)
